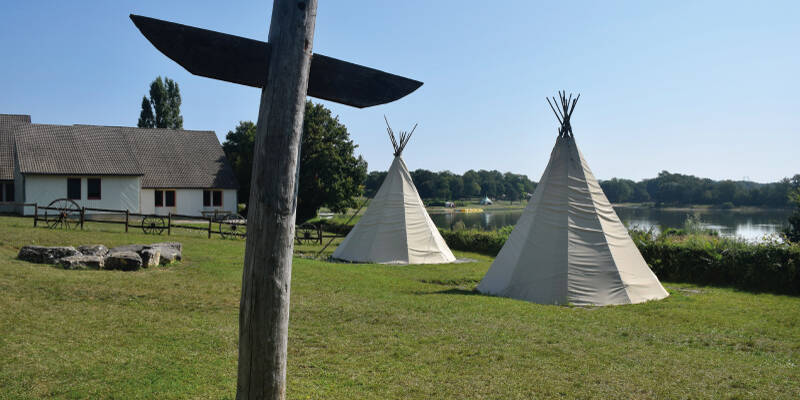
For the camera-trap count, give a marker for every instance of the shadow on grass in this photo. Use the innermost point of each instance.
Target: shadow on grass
(463, 292)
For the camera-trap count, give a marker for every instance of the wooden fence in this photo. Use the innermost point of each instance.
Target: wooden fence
(149, 223)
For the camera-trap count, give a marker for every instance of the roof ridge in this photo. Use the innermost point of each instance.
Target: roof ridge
(138, 129)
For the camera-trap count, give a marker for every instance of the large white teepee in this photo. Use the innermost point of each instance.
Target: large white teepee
(396, 228)
(569, 246)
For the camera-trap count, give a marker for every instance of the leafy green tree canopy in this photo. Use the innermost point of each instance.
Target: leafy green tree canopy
(792, 232)
(330, 174)
(238, 147)
(163, 108)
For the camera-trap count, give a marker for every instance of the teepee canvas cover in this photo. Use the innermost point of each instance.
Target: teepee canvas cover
(569, 246)
(396, 228)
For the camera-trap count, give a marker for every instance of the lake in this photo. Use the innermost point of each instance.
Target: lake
(751, 225)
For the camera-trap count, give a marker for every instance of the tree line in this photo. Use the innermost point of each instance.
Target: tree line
(665, 189)
(446, 185)
(678, 189)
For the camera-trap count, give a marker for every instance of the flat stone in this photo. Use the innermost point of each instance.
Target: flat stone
(127, 248)
(150, 256)
(175, 245)
(169, 255)
(82, 262)
(123, 260)
(44, 254)
(93, 250)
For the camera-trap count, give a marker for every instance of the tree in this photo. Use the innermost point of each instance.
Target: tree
(163, 108)
(238, 149)
(792, 232)
(330, 174)
(374, 181)
(618, 190)
(146, 117)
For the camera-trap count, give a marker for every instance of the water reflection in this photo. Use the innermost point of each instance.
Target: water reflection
(751, 225)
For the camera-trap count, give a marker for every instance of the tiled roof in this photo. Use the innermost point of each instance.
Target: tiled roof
(11, 119)
(78, 150)
(165, 158)
(181, 159)
(7, 121)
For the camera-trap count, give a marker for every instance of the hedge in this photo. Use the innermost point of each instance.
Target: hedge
(484, 242)
(769, 267)
(335, 227)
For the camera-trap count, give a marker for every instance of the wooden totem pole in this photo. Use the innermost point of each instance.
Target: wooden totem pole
(287, 71)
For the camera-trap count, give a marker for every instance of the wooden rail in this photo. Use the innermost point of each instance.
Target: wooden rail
(172, 220)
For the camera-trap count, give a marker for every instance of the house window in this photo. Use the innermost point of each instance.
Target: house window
(212, 197)
(8, 189)
(169, 198)
(93, 188)
(74, 188)
(217, 197)
(165, 198)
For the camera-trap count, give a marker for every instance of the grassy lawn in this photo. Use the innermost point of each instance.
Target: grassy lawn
(371, 332)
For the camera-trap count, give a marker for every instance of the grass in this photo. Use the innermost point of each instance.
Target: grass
(371, 332)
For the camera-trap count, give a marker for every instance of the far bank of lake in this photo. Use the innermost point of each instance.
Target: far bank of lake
(748, 223)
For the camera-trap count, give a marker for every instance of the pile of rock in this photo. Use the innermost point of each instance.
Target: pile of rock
(126, 258)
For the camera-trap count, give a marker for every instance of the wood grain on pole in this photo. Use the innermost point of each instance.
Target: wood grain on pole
(266, 279)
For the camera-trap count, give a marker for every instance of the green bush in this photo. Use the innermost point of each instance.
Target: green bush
(693, 226)
(339, 228)
(769, 266)
(477, 241)
(791, 232)
(673, 232)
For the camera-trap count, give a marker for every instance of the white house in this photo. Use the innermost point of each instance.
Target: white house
(148, 171)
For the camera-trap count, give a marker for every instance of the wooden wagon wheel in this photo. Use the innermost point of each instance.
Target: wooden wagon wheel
(307, 234)
(233, 226)
(62, 213)
(153, 225)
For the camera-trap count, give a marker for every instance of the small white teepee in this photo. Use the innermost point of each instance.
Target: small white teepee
(569, 246)
(396, 228)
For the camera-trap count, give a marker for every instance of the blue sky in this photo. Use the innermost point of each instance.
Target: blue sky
(704, 88)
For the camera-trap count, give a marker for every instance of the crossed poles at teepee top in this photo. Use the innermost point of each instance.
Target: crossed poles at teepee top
(564, 112)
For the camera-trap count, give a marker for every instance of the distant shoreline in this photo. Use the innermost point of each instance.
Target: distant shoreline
(651, 206)
(698, 207)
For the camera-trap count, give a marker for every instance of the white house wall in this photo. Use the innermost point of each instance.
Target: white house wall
(187, 202)
(116, 192)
